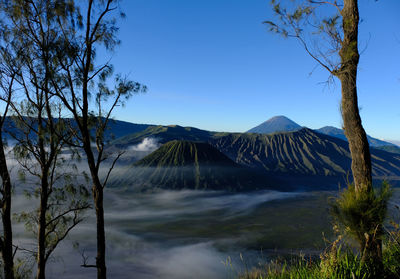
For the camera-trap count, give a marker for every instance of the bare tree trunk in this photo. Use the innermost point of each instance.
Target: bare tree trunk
(7, 248)
(41, 255)
(44, 196)
(371, 247)
(97, 188)
(97, 191)
(101, 237)
(358, 143)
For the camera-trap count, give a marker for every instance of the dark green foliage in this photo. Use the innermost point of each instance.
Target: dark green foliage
(362, 213)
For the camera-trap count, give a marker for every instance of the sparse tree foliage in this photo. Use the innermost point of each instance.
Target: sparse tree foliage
(42, 133)
(56, 45)
(82, 87)
(328, 31)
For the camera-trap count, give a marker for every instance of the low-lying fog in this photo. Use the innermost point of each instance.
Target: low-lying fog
(183, 234)
(186, 234)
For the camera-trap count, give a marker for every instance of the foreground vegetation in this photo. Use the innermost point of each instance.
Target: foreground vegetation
(339, 262)
(357, 223)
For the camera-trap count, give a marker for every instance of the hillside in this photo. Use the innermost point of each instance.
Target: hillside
(164, 134)
(303, 152)
(190, 165)
(390, 148)
(275, 125)
(339, 133)
(180, 153)
(116, 128)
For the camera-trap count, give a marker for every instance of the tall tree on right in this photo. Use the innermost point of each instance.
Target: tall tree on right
(314, 23)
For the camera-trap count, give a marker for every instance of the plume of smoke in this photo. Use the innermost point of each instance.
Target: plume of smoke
(147, 145)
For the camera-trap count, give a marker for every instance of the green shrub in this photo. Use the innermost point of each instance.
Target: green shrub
(361, 213)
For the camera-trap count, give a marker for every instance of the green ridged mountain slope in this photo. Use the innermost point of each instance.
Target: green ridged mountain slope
(190, 165)
(179, 153)
(304, 152)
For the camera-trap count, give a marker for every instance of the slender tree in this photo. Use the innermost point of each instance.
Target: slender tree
(61, 43)
(328, 31)
(7, 78)
(42, 133)
(83, 89)
(46, 161)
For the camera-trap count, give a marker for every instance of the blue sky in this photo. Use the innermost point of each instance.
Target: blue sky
(212, 64)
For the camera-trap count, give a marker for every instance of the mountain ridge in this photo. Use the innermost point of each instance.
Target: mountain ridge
(281, 123)
(339, 133)
(165, 134)
(116, 128)
(303, 153)
(185, 164)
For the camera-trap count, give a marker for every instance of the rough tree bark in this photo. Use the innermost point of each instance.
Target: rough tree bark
(341, 30)
(358, 142)
(97, 188)
(6, 242)
(97, 191)
(371, 247)
(41, 255)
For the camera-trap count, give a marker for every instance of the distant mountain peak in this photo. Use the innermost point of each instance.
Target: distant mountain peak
(279, 123)
(279, 117)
